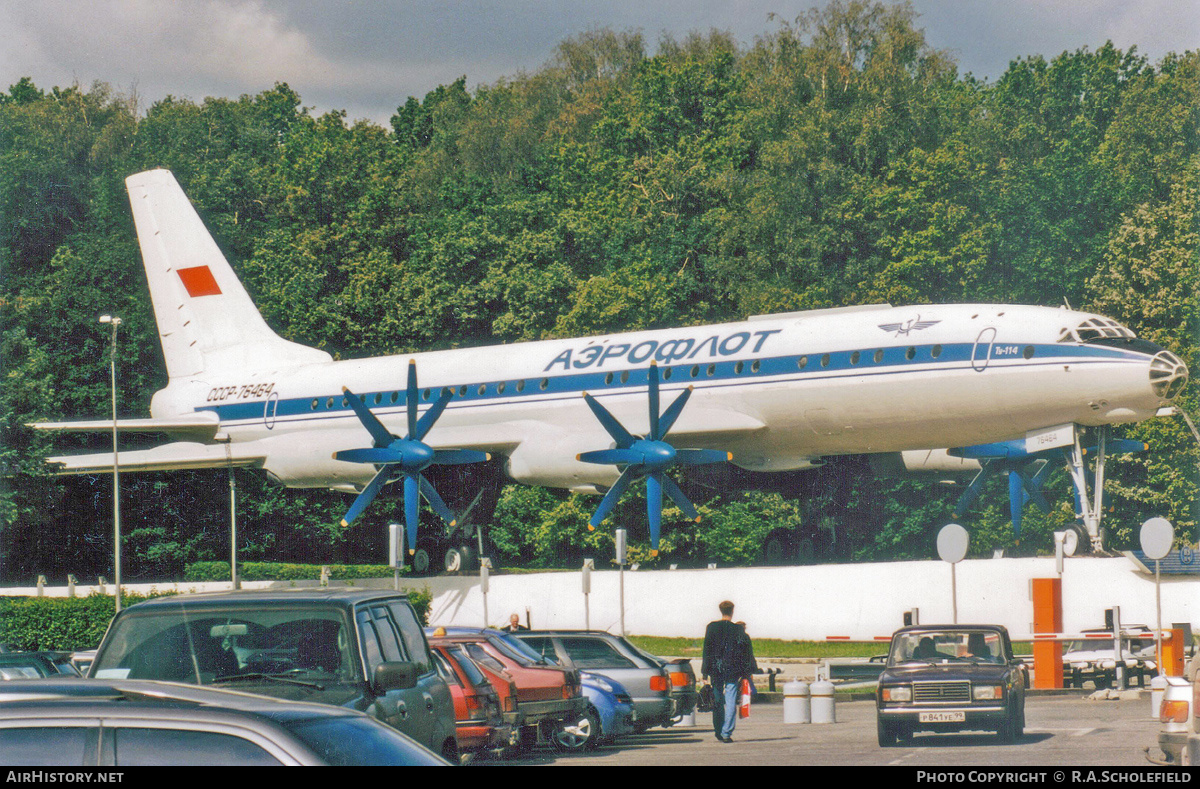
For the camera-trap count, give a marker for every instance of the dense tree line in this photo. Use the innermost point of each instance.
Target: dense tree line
(839, 160)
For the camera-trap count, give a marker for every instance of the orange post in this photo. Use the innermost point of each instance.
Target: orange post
(1172, 654)
(1048, 619)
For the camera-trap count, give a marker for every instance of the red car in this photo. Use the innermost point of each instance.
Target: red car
(547, 694)
(480, 723)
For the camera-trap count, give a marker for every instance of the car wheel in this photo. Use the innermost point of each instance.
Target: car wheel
(1007, 732)
(582, 735)
(887, 732)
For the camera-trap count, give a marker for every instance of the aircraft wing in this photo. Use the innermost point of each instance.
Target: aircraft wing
(201, 426)
(168, 457)
(703, 424)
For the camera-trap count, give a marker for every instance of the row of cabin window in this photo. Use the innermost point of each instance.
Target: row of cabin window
(910, 354)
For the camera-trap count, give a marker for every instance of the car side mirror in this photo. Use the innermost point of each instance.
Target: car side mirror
(394, 675)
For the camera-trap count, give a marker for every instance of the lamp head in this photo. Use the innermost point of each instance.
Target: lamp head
(110, 319)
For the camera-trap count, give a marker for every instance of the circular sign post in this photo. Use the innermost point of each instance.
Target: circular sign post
(952, 542)
(1156, 536)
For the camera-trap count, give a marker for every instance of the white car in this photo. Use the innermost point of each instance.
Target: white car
(1094, 659)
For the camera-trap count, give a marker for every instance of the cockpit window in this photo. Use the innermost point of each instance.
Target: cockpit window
(1095, 329)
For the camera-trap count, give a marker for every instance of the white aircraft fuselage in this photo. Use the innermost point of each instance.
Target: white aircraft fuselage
(777, 392)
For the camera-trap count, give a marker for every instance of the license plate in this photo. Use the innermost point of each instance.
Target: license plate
(942, 717)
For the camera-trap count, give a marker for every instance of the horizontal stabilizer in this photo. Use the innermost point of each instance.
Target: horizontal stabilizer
(200, 426)
(169, 457)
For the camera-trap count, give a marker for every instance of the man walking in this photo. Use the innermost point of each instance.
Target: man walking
(726, 661)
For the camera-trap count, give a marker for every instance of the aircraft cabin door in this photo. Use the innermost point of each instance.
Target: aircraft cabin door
(269, 410)
(981, 354)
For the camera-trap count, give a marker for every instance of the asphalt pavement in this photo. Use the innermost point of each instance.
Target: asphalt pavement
(1064, 729)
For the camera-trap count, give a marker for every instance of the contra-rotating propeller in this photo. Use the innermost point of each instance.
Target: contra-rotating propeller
(406, 457)
(650, 457)
(1027, 472)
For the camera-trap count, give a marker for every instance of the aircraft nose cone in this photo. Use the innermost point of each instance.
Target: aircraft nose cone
(1168, 375)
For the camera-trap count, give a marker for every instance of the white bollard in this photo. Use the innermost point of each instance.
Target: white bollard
(1158, 687)
(797, 707)
(822, 702)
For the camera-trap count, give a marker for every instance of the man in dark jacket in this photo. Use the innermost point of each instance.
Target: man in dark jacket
(726, 661)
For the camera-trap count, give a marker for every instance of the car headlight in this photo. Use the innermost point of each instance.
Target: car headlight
(897, 693)
(987, 692)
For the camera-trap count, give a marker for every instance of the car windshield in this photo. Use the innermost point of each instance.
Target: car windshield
(937, 646)
(226, 645)
(469, 669)
(519, 651)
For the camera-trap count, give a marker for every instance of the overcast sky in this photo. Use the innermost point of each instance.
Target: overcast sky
(368, 56)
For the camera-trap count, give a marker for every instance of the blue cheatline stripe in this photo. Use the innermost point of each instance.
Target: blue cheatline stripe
(547, 388)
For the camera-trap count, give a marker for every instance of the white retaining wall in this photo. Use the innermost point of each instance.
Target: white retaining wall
(860, 601)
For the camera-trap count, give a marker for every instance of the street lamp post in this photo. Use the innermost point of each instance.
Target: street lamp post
(112, 362)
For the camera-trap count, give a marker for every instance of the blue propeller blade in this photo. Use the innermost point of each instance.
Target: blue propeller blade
(611, 498)
(679, 498)
(406, 456)
(652, 382)
(379, 433)
(367, 496)
(615, 429)
(654, 493)
(435, 501)
(412, 505)
(425, 423)
(702, 457)
(650, 457)
(369, 455)
(410, 399)
(611, 457)
(673, 410)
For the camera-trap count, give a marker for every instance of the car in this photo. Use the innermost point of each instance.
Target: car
(35, 665)
(1093, 659)
(647, 678)
(1190, 756)
(548, 694)
(948, 678)
(353, 648)
(1179, 737)
(127, 723)
(480, 722)
(609, 715)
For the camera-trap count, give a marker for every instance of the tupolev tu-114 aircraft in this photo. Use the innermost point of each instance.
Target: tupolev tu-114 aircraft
(998, 387)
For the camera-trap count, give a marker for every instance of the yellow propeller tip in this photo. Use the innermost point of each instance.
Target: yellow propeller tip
(344, 524)
(729, 456)
(591, 527)
(697, 519)
(453, 524)
(653, 552)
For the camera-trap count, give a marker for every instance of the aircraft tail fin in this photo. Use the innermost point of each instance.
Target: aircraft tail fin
(206, 320)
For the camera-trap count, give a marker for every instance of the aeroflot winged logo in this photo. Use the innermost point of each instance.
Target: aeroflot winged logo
(199, 281)
(915, 324)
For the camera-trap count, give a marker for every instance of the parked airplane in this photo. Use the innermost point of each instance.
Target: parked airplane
(773, 393)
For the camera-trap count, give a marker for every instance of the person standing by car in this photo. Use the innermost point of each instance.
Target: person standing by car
(514, 625)
(726, 662)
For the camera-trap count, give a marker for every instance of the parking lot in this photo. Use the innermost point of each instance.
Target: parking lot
(1061, 730)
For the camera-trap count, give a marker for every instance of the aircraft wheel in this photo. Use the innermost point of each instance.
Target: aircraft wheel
(779, 548)
(1076, 541)
(461, 559)
(422, 559)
